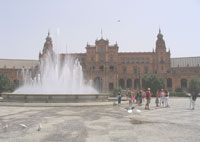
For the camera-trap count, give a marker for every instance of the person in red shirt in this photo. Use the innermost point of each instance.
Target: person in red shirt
(148, 98)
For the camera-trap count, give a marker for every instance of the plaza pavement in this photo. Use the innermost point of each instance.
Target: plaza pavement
(103, 123)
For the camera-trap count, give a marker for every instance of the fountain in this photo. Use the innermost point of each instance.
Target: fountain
(58, 79)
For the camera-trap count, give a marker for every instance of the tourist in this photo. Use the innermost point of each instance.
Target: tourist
(129, 98)
(162, 98)
(119, 97)
(148, 98)
(133, 96)
(166, 98)
(192, 100)
(137, 97)
(140, 97)
(157, 98)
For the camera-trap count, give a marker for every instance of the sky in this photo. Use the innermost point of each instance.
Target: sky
(24, 25)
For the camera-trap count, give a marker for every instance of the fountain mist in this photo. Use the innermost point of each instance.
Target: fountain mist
(57, 75)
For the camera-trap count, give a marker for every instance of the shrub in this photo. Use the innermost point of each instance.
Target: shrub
(153, 82)
(194, 86)
(178, 94)
(178, 90)
(5, 84)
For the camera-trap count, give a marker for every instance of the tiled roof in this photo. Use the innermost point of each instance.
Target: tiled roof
(185, 62)
(17, 63)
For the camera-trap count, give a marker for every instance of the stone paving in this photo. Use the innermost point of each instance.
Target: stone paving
(101, 123)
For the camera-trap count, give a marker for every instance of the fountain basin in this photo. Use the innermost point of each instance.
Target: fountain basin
(55, 98)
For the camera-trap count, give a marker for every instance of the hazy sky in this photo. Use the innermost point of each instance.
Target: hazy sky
(72, 23)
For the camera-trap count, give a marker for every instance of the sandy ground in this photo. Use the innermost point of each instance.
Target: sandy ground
(102, 123)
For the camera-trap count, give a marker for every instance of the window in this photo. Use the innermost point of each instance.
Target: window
(146, 70)
(142, 60)
(111, 86)
(124, 70)
(129, 83)
(127, 60)
(101, 68)
(123, 60)
(133, 60)
(137, 60)
(135, 70)
(147, 60)
(137, 84)
(167, 58)
(93, 68)
(121, 83)
(169, 83)
(162, 61)
(184, 83)
(92, 59)
(111, 68)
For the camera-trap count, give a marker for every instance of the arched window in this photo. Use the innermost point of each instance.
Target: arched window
(93, 68)
(101, 68)
(98, 84)
(137, 84)
(129, 83)
(111, 68)
(169, 83)
(111, 86)
(121, 83)
(184, 83)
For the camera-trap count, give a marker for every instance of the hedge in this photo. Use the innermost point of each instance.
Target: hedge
(178, 94)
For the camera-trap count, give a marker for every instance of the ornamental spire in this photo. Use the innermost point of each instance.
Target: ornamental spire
(160, 43)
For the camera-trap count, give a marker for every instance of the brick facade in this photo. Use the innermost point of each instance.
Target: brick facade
(109, 68)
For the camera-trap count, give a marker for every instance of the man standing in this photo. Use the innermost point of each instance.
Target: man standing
(148, 98)
(119, 97)
(192, 100)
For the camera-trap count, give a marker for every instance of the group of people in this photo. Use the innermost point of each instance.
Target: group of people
(138, 96)
(133, 96)
(162, 98)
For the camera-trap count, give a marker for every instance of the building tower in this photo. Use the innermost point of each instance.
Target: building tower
(48, 48)
(162, 57)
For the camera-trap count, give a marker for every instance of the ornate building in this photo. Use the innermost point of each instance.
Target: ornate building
(109, 68)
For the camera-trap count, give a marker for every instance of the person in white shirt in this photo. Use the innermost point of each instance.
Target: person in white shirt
(162, 98)
(166, 98)
(193, 97)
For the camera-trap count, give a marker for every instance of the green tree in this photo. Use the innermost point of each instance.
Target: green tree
(116, 90)
(153, 82)
(194, 85)
(5, 84)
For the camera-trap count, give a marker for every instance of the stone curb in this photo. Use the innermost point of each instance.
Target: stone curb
(14, 104)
